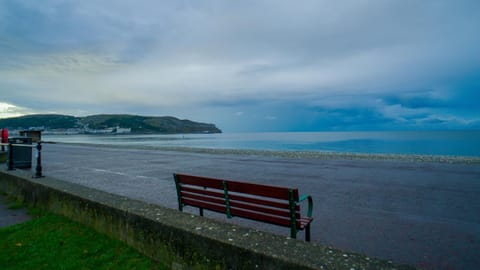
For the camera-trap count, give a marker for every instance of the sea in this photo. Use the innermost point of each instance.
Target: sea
(443, 143)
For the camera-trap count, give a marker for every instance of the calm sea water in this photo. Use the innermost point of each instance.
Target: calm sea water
(455, 143)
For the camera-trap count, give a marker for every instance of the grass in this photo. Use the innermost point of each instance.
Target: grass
(50, 241)
(15, 205)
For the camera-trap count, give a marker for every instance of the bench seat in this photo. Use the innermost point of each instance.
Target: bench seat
(265, 203)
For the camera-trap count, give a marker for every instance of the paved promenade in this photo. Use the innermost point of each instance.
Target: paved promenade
(423, 214)
(8, 216)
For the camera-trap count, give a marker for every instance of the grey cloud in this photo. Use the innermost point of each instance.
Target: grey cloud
(367, 56)
(417, 99)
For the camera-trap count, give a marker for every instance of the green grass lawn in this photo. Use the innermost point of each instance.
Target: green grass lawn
(53, 242)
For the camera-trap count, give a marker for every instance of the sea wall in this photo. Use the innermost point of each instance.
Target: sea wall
(178, 240)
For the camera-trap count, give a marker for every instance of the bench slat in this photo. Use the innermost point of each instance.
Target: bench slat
(200, 181)
(261, 209)
(262, 201)
(206, 205)
(238, 197)
(260, 217)
(203, 192)
(260, 190)
(303, 222)
(203, 198)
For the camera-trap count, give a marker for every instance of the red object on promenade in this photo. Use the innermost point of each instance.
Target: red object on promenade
(4, 135)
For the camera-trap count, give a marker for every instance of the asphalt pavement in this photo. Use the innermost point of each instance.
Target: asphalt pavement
(11, 216)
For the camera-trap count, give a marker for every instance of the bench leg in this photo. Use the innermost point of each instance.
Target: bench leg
(293, 233)
(201, 211)
(307, 233)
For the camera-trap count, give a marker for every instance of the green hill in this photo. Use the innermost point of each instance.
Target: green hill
(137, 123)
(51, 121)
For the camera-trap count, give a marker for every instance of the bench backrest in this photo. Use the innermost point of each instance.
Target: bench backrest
(270, 204)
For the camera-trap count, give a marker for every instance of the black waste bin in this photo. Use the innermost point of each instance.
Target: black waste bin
(21, 155)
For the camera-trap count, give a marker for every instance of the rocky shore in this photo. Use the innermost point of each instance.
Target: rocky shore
(324, 155)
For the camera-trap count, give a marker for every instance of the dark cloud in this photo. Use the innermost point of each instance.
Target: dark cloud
(417, 100)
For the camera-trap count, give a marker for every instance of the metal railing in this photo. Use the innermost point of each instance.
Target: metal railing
(38, 156)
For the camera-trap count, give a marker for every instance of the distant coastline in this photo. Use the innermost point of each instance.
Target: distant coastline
(106, 124)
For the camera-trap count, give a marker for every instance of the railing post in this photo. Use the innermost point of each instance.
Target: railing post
(38, 169)
(10, 156)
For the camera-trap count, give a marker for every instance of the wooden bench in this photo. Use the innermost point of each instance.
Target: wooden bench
(270, 204)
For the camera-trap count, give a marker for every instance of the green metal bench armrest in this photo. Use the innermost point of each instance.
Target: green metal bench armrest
(310, 204)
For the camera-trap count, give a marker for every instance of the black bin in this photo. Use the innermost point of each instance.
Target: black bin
(22, 155)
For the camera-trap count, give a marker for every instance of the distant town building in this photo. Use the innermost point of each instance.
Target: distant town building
(119, 130)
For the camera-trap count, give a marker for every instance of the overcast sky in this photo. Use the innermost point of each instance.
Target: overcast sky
(247, 65)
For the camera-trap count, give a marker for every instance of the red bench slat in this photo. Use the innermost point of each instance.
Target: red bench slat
(258, 208)
(260, 190)
(210, 206)
(200, 181)
(203, 198)
(303, 222)
(204, 192)
(261, 217)
(249, 199)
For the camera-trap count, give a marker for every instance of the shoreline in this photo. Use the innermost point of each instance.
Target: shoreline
(322, 155)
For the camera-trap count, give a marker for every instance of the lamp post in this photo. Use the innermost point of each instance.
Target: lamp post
(38, 169)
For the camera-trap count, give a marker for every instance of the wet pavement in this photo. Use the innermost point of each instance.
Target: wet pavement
(419, 213)
(11, 216)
